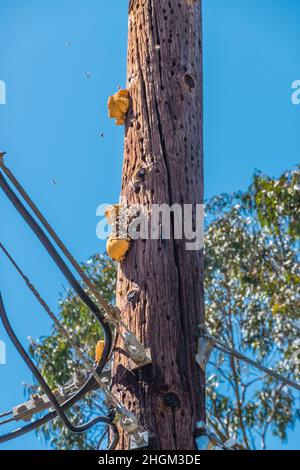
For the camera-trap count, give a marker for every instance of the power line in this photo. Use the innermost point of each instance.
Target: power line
(43, 384)
(6, 421)
(109, 309)
(74, 342)
(134, 347)
(227, 350)
(110, 397)
(84, 297)
(62, 266)
(128, 420)
(104, 435)
(7, 413)
(46, 389)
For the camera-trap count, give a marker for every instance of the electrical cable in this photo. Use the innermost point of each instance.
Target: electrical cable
(58, 260)
(227, 350)
(109, 309)
(49, 247)
(104, 435)
(61, 265)
(72, 280)
(111, 312)
(43, 384)
(115, 437)
(7, 413)
(74, 341)
(6, 421)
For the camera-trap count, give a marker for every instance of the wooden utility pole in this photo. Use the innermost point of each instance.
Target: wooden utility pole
(160, 283)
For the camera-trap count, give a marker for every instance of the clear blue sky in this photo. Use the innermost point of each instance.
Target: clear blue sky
(51, 123)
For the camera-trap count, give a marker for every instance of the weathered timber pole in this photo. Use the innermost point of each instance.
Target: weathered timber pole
(160, 283)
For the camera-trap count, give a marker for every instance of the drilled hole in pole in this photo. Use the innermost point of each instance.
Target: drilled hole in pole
(189, 81)
(171, 400)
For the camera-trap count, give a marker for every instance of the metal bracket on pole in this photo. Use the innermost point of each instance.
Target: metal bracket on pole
(139, 356)
(130, 425)
(37, 403)
(205, 347)
(204, 439)
(208, 440)
(40, 402)
(139, 440)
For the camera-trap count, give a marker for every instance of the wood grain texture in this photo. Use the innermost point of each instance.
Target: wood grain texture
(163, 137)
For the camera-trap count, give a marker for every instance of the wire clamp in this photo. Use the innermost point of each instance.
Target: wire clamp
(139, 356)
(205, 348)
(37, 403)
(130, 425)
(106, 375)
(207, 440)
(139, 440)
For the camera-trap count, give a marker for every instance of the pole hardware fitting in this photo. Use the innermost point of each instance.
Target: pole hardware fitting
(106, 375)
(127, 420)
(205, 348)
(138, 355)
(206, 439)
(130, 425)
(37, 403)
(139, 441)
(40, 402)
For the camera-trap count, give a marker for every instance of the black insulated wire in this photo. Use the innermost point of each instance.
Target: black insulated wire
(48, 417)
(48, 228)
(43, 384)
(49, 247)
(6, 421)
(7, 413)
(61, 265)
(80, 292)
